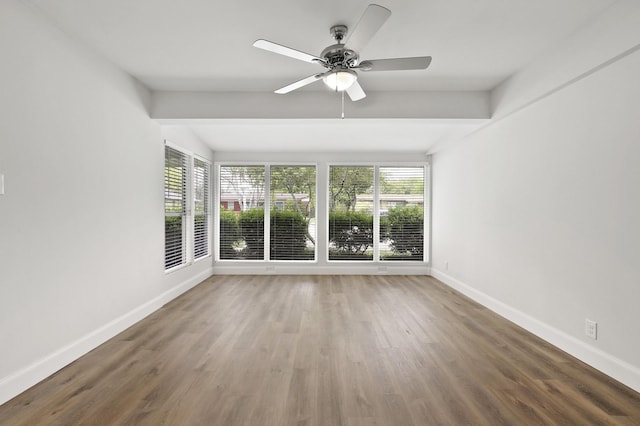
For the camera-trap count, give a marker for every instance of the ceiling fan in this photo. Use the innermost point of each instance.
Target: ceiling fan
(342, 59)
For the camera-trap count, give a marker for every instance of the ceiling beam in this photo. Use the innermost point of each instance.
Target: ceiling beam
(316, 104)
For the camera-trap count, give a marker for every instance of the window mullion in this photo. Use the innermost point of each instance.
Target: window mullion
(427, 212)
(208, 206)
(215, 211)
(188, 214)
(376, 214)
(267, 212)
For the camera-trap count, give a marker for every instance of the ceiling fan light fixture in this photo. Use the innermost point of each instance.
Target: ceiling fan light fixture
(340, 80)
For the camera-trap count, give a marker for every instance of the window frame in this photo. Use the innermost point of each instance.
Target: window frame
(267, 208)
(425, 210)
(268, 213)
(206, 204)
(328, 212)
(189, 241)
(183, 214)
(321, 257)
(426, 166)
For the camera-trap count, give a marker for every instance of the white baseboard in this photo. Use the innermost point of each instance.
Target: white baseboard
(620, 370)
(18, 382)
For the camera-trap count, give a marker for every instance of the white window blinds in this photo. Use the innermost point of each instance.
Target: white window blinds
(291, 192)
(187, 208)
(292, 195)
(376, 213)
(201, 209)
(175, 207)
(401, 207)
(242, 212)
(351, 191)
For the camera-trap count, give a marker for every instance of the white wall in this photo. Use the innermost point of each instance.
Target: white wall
(537, 216)
(81, 221)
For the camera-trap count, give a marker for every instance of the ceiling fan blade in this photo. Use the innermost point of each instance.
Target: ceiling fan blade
(355, 92)
(299, 84)
(286, 51)
(395, 64)
(370, 22)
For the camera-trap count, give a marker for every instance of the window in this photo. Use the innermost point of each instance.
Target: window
(376, 213)
(401, 207)
(186, 190)
(292, 227)
(175, 207)
(242, 212)
(290, 205)
(351, 193)
(202, 212)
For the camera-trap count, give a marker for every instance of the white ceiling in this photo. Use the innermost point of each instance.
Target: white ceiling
(206, 45)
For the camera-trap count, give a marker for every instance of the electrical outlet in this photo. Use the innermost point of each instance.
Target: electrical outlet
(446, 265)
(591, 328)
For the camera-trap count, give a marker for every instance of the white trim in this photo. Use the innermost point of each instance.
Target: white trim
(267, 163)
(187, 245)
(266, 216)
(376, 213)
(16, 383)
(365, 163)
(215, 212)
(428, 211)
(608, 364)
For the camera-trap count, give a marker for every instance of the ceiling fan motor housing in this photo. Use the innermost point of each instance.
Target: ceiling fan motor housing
(337, 55)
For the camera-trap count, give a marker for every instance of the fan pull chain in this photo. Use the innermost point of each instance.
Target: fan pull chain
(343, 104)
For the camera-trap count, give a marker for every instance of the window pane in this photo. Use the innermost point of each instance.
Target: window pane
(200, 208)
(175, 198)
(401, 213)
(242, 212)
(351, 213)
(292, 212)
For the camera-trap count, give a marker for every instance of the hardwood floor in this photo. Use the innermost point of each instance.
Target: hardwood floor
(324, 350)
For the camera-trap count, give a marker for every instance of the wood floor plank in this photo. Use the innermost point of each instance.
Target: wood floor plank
(324, 350)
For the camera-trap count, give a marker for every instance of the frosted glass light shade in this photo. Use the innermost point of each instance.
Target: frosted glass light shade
(340, 80)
